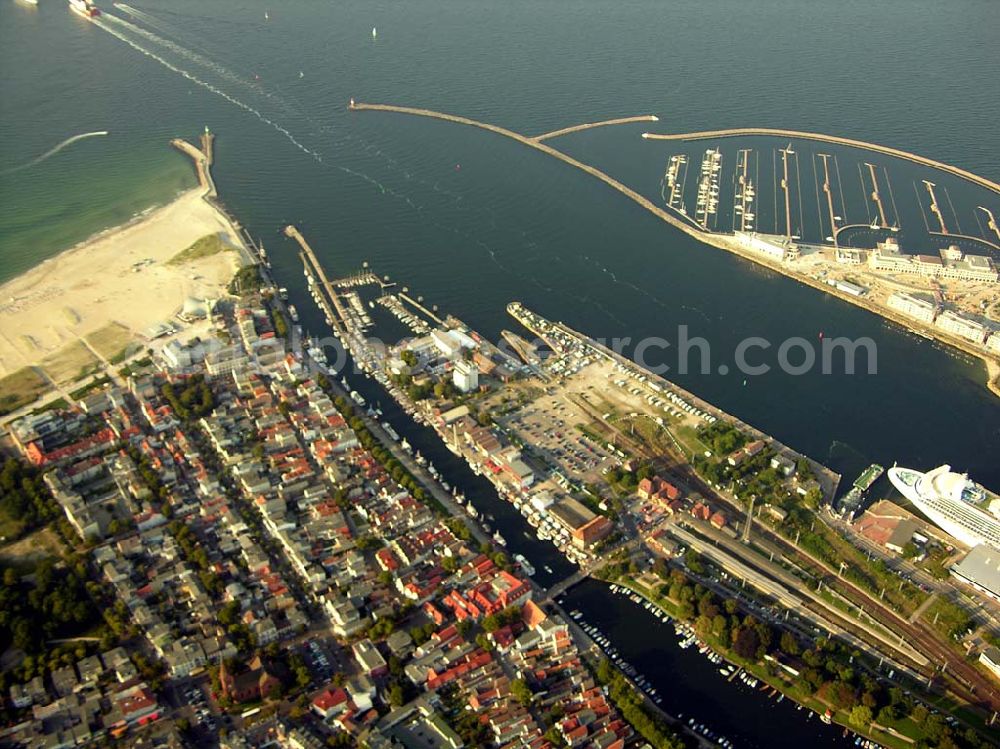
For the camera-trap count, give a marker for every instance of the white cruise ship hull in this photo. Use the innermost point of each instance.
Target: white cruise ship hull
(965, 523)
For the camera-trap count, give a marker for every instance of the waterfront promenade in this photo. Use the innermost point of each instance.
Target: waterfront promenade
(725, 241)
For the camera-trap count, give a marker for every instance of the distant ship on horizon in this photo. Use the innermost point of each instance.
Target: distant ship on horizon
(85, 8)
(953, 502)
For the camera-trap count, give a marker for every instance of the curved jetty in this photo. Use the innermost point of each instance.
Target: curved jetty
(603, 123)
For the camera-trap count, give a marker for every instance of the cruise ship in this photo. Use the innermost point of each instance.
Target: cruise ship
(953, 502)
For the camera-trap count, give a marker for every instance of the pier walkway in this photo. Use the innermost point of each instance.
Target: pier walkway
(589, 125)
(202, 164)
(735, 132)
(325, 284)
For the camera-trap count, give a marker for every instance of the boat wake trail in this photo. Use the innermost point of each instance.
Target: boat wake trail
(100, 23)
(215, 77)
(220, 70)
(54, 150)
(146, 18)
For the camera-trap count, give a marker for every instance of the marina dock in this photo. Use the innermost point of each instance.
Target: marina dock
(877, 197)
(906, 155)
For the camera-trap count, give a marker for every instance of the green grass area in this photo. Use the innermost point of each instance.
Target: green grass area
(688, 438)
(210, 244)
(86, 390)
(71, 363)
(947, 618)
(652, 434)
(111, 340)
(20, 388)
(135, 367)
(53, 405)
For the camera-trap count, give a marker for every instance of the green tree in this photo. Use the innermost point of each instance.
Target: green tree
(521, 692)
(861, 716)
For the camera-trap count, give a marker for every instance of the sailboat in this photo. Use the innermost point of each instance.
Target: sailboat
(267, 16)
(374, 32)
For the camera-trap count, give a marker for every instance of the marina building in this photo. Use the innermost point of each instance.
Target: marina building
(850, 256)
(962, 326)
(585, 527)
(967, 267)
(912, 306)
(993, 343)
(775, 246)
(950, 264)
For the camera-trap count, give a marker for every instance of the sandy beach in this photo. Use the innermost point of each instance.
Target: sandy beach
(114, 286)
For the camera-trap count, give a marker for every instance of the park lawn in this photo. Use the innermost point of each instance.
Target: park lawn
(71, 363)
(210, 244)
(113, 341)
(20, 388)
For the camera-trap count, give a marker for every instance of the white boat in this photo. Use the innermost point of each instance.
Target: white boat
(85, 8)
(499, 539)
(374, 32)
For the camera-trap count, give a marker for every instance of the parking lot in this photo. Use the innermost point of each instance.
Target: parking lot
(570, 423)
(550, 426)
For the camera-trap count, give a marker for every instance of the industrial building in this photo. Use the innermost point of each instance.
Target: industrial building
(466, 376)
(981, 570)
